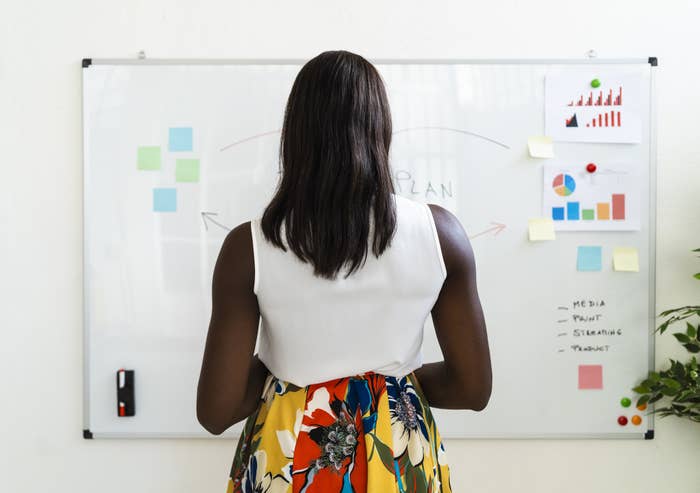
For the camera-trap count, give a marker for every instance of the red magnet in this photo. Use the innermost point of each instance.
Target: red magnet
(591, 167)
(622, 420)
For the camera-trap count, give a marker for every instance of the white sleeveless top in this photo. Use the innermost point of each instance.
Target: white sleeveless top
(314, 329)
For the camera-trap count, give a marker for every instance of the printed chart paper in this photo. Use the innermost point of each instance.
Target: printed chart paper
(605, 200)
(577, 112)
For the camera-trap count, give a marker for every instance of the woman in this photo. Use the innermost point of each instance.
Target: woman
(337, 398)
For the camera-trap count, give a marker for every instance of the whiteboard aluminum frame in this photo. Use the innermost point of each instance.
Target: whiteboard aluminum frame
(652, 61)
(378, 61)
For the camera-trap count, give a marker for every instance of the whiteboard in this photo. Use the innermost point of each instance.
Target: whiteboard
(460, 140)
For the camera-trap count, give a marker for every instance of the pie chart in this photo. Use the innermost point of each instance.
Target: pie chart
(563, 184)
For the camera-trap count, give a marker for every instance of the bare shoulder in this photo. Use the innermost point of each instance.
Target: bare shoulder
(235, 263)
(454, 242)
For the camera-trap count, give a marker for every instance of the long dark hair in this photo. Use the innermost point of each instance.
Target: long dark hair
(336, 187)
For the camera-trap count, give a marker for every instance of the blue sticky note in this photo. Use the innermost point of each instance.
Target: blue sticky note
(164, 200)
(180, 139)
(589, 258)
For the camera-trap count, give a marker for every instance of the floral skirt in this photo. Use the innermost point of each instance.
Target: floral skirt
(367, 433)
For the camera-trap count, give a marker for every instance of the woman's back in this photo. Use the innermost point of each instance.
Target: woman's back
(338, 398)
(315, 329)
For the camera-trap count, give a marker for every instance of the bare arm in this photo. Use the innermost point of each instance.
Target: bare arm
(231, 378)
(463, 379)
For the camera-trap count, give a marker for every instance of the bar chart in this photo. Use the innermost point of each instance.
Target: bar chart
(608, 119)
(602, 211)
(599, 100)
(605, 199)
(577, 112)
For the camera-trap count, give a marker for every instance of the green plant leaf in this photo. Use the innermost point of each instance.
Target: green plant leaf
(697, 276)
(641, 389)
(692, 347)
(681, 337)
(690, 330)
(643, 399)
(669, 391)
(669, 382)
(655, 398)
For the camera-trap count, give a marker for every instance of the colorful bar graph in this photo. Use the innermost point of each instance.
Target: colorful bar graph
(603, 211)
(572, 211)
(618, 206)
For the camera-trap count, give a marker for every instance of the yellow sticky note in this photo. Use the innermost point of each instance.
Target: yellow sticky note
(626, 259)
(541, 229)
(540, 146)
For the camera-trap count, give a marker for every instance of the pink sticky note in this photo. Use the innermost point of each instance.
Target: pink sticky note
(590, 376)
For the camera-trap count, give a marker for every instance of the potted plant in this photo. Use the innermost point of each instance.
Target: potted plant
(679, 384)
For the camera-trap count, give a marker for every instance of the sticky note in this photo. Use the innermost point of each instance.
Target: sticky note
(540, 147)
(180, 139)
(164, 200)
(626, 259)
(540, 229)
(187, 170)
(590, 376)
(589, 258)
(148, 157)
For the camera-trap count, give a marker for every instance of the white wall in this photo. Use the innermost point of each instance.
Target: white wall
(41, 45)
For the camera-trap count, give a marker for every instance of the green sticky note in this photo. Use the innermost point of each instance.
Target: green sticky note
(148, 157)
(587, 214)
(187, 170)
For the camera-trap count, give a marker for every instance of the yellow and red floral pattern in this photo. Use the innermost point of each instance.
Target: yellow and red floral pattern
(367, 433)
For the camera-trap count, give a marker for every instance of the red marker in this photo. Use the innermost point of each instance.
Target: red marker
(591, 167)
(122, 409)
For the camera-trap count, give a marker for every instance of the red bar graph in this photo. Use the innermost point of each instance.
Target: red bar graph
(599, 99)
(608, 119)
(618, 206)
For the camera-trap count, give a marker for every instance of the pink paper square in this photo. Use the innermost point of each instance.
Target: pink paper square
(590, 376)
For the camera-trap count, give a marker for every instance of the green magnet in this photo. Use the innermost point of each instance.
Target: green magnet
(625, 401)
(595, 83)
